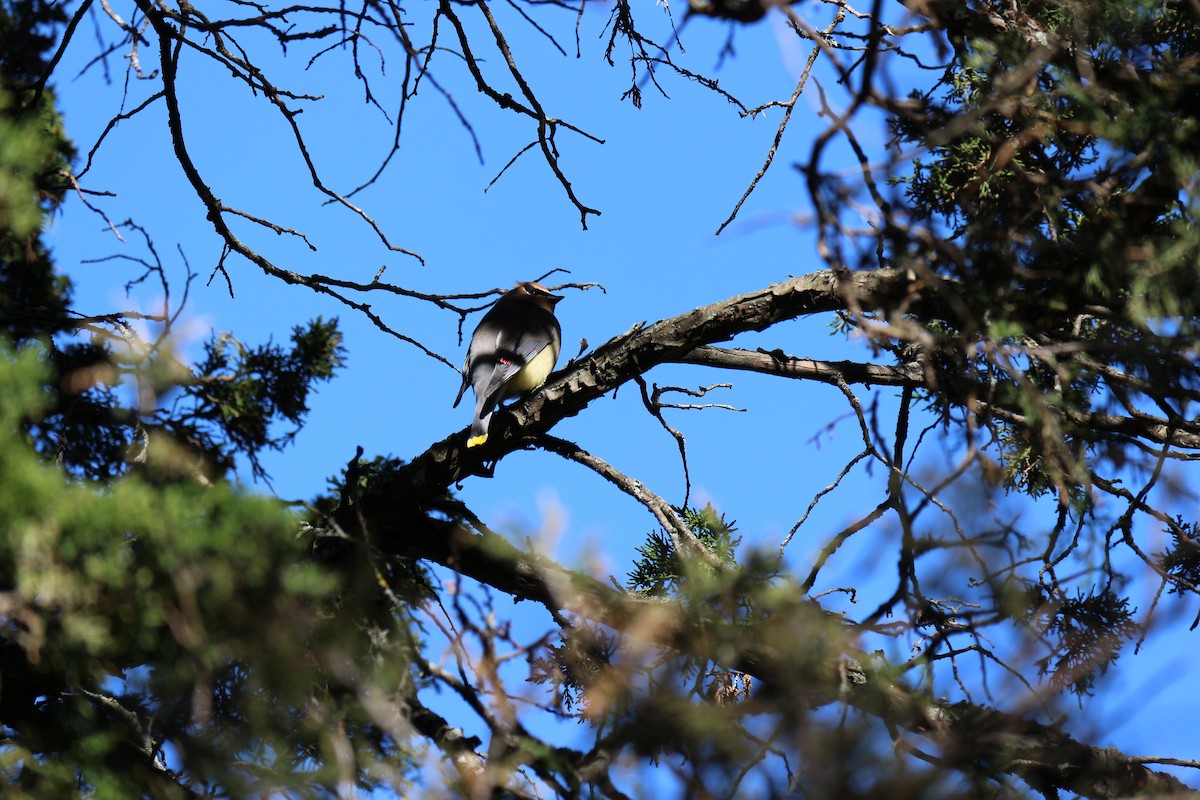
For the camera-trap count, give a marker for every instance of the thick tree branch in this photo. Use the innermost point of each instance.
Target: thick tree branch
(1182, 434)
(776, 362)
(645, 346)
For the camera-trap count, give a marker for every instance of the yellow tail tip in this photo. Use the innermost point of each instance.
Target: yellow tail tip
(475, 441)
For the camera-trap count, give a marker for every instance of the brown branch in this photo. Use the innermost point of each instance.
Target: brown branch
(170, 40)
(1111, 425)
(681, 535)
(776, 362)
(789, 106)
(547, 126)
(666, 341)
(67, 36)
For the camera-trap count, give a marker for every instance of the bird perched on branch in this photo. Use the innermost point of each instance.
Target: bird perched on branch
(513, 351)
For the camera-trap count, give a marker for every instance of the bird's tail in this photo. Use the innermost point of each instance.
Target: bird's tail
(479, 430)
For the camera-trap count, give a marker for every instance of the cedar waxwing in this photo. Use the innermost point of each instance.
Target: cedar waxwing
(513, 351)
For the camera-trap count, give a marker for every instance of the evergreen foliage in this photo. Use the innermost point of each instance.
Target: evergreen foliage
(1029, 289)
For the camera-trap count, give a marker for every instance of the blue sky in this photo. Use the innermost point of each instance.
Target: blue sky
(667, 175)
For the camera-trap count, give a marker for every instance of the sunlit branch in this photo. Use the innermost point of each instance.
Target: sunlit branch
(682, 537)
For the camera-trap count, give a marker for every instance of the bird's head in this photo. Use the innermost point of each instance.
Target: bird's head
(531, 292)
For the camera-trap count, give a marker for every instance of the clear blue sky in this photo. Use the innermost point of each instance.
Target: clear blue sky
(666, 177)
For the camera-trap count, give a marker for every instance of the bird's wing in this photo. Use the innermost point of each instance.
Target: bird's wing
(465, 383)
(490, 374)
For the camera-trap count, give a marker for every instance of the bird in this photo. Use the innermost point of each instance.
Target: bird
(513, 351)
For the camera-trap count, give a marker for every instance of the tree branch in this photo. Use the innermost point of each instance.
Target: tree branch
(776, 362)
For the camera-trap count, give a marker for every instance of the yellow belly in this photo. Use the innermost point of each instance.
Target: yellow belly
(533, 374)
